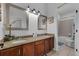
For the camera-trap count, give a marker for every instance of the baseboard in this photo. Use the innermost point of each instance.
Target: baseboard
(55, 49)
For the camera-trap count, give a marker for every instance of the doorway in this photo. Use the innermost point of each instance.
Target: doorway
(66, 34)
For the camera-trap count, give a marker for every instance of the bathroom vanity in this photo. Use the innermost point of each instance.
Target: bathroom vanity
(17, 19)
(28, 46)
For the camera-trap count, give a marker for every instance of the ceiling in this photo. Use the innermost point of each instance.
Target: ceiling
(63, 8)
(37, 6)
(68, 8)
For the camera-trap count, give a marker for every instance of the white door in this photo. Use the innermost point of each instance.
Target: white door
(77, 33)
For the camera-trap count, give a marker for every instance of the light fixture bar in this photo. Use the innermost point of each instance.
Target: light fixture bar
(38, 12)
(28, 9)
(32, 11)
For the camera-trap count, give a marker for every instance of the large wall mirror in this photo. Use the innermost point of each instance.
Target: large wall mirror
(17, 18)
(42, 22)
(0, 12)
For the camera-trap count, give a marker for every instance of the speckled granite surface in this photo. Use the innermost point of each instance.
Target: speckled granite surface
(21, 41)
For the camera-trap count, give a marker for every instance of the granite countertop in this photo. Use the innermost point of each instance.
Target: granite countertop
(21, 41)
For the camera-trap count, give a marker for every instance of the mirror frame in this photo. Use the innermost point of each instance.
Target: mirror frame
(7, 18)
(39, 22)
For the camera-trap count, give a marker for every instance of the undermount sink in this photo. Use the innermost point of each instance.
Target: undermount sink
(18, 41)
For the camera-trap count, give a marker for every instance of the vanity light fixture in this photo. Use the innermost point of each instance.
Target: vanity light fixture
(28, 9)
(34, 11)
(38, 12)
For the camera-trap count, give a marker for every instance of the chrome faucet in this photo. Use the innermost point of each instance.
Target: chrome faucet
(2, 44)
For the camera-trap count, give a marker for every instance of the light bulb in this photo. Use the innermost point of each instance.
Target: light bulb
(28, 9)
(38, 12)
(34, 11)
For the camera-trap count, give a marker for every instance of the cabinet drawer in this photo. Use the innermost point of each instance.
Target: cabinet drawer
(15, 51)
(39, 42)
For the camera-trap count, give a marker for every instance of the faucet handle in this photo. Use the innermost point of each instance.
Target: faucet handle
(2, 44)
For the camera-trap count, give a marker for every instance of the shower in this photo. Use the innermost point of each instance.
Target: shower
(66, 32)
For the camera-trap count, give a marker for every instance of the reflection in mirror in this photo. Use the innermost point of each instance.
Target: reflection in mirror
(50, 20)
(0, 11)
(42, 22)
(17, 17)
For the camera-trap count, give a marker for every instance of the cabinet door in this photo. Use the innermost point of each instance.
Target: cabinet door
(39, 48)
(28, 49)
(15, 51)
(0, 53)
(47, 45)
(51, 43)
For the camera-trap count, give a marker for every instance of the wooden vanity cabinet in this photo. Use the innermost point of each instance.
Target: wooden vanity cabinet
(46, 46)
(39, 48)
(28, 49)
(51, 43)
(15, 51)
(0, 53)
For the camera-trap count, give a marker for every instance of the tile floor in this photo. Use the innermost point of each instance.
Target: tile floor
(63, 51)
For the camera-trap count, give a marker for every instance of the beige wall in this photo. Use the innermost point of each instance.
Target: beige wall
(65, 27)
